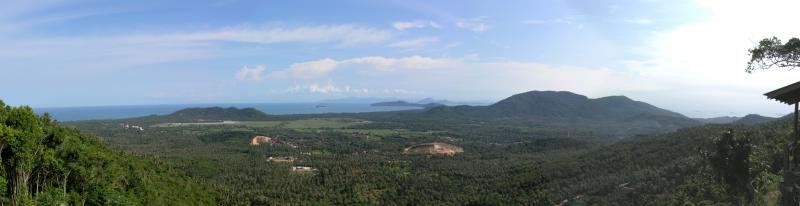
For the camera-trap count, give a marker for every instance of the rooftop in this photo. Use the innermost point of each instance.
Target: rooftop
(789, 94)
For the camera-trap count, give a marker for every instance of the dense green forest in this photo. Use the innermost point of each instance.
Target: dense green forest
(207, 156)
(44, 163)
(357, 158)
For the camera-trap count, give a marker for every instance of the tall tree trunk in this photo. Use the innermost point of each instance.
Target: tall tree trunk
(36, 184)
(20, 186)
(64, 182)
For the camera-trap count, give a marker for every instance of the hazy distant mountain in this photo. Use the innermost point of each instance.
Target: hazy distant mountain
(568, 105)
(718, 120)
(442, 101)
(426, 102)
(406, 104)
(358, 100)
(753, 119)
(552, 107)
(429, 100)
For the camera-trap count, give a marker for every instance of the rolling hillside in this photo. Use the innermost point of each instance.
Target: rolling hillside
(218, 113)
(753, 119)
(615, 113)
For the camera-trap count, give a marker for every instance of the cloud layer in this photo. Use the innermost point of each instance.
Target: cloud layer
(419, 24)
(477, 24)
(321, 68)
(247, 73)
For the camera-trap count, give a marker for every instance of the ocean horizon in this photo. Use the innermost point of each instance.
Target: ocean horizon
(127, 111)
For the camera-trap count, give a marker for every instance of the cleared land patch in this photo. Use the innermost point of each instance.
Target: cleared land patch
(435, 148)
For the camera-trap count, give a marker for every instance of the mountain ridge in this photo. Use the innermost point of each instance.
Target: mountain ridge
(618, 113)
(219, 113)
(401, 103)
(751, 119)
(564, 104)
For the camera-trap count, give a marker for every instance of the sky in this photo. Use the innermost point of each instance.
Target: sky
(687, 56)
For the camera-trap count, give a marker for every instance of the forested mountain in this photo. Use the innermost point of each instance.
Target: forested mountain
(218, 113)
(402, 103)
(753, 119)
(561, 104)
(615, 113)
(44, 163)
(718, 120)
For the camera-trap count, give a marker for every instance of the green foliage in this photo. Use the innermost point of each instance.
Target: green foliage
(43, 163)
(700, 189)
(772, 52)
(753, 119)
(218, 113)
(730, 160)
(507, 161)
(566, 111)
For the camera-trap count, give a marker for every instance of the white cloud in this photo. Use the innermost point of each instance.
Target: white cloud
(326, 88)
(534, 21)
(306, 70)
(320, 68)
(569, 21)
(312, 69)
(434, 25)
(417, 43)
(345, 35)
(403, 63)
(665, 85)
(112, 52)
(469, 76)
(337, 34)
(18, 16)
(639, 21)
(678, 81)
(477, 24)
(701, 64)
(419, 24)
(562, 21)
(548, 21)
(246, 73)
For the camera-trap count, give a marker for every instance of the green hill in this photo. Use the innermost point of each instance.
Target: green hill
(718, 120)
(401, 103)
(570, 105)
(218, 113)
(44, 163)
(614, 114)
(753, 119)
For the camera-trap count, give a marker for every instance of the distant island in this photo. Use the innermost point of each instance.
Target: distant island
(425, 103)
(402, 103)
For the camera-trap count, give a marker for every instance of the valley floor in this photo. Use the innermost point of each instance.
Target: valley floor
(351, 161)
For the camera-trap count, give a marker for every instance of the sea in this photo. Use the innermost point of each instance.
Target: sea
(117, 112)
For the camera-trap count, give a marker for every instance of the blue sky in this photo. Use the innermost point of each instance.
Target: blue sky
(687, 56)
